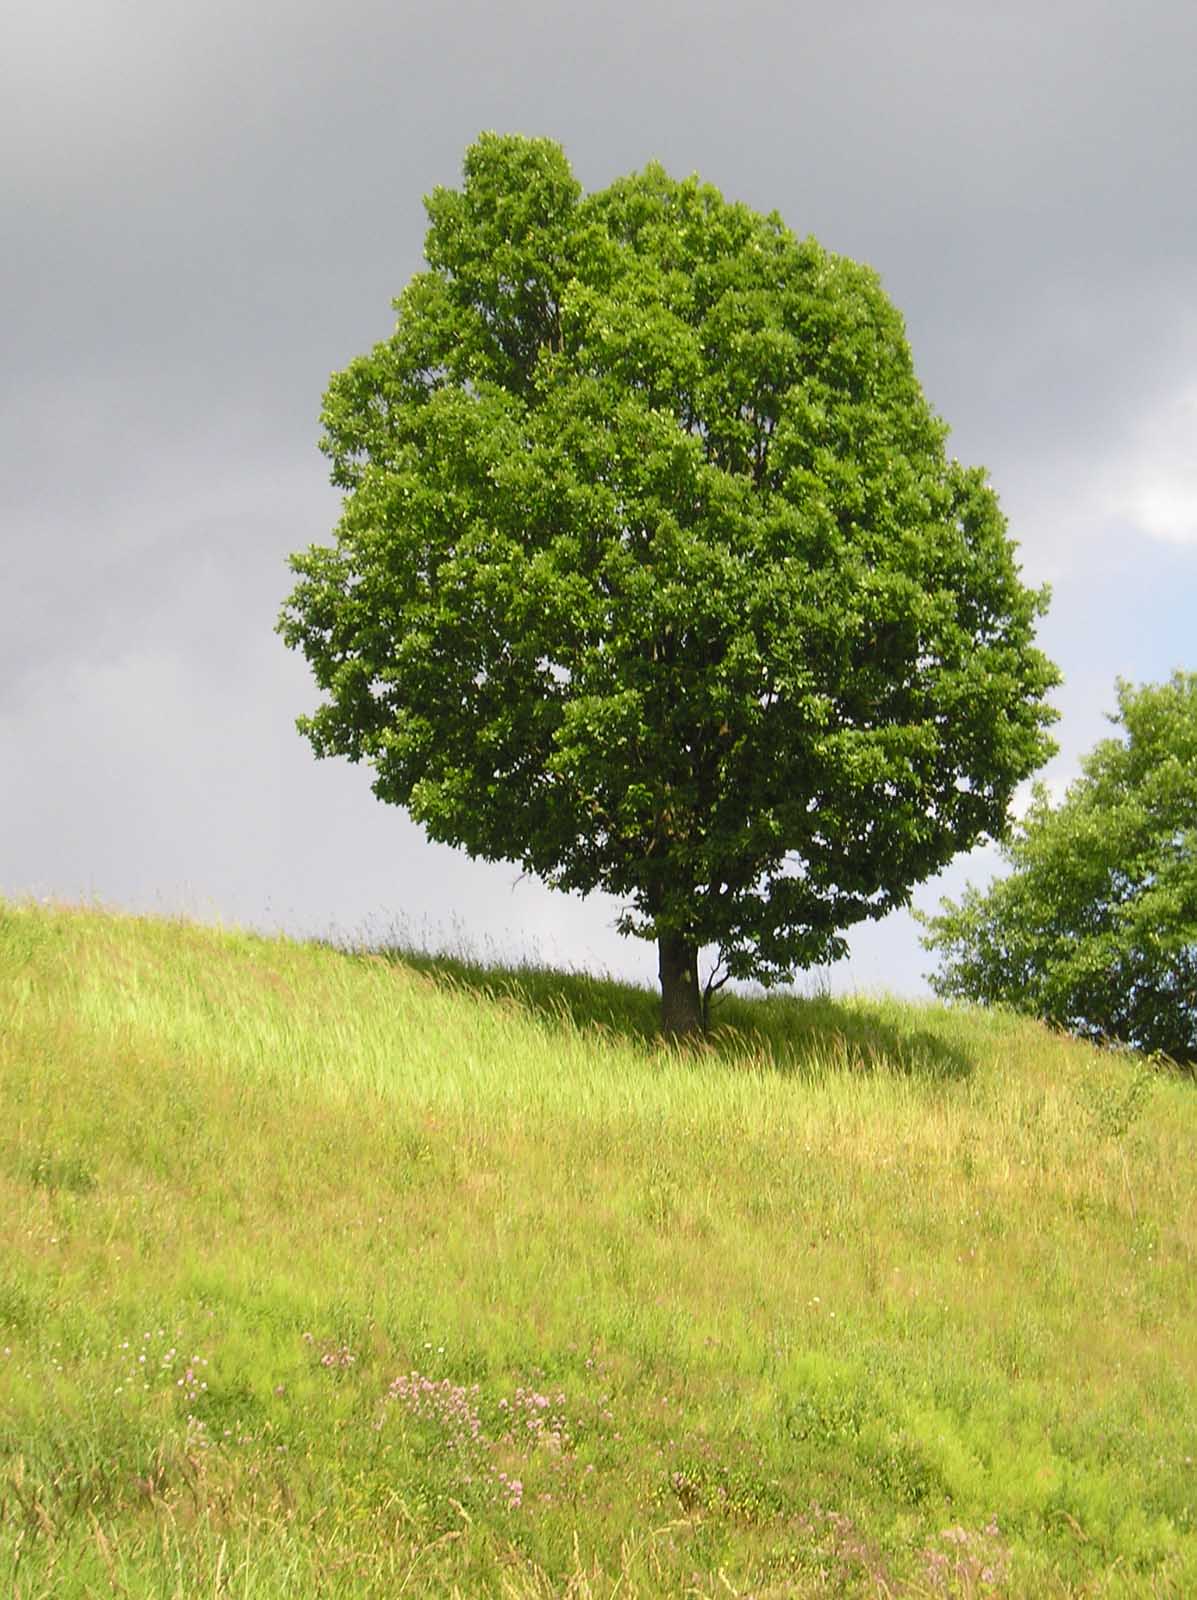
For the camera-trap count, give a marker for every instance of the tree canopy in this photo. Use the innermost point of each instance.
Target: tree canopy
(654, 576)
(1095, 928)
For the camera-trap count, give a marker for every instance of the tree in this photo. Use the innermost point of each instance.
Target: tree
(1095, 928)
(653, 575)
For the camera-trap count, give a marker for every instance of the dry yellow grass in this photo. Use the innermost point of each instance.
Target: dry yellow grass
(863, 1298)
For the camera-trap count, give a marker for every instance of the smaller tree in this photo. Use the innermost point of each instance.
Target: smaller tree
(1095, 928)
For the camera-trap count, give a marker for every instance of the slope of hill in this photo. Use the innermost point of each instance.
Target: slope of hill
(349, 1275)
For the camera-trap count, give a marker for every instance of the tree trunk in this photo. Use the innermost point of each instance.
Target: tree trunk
(681, 1003)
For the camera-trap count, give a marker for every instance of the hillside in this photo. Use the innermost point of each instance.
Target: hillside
(339, 1274)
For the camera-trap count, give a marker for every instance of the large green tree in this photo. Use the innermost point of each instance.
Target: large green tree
(1095, 927)
(654, 577)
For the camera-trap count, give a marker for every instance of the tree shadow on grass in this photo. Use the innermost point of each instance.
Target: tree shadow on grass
(783, 1033)
(575, 998)
(818, 1034)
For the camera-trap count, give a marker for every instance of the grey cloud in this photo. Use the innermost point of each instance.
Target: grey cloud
(210, 209)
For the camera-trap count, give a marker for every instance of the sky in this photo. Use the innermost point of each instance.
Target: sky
(209, 208)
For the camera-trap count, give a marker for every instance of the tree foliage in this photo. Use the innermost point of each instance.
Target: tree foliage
(1095, 928)
(654, 577)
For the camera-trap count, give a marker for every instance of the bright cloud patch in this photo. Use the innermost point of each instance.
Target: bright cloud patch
(1156, 487)
(1056, 788)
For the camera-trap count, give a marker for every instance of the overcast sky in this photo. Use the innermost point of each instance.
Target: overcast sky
(207, 208)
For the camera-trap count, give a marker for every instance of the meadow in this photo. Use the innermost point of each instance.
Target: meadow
(346, 1273)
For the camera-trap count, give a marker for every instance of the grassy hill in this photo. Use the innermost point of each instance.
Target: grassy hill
(357, 1275)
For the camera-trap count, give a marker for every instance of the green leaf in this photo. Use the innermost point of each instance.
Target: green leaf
(653, 575)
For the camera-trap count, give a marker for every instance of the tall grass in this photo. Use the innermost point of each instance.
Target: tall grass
(349, 1273)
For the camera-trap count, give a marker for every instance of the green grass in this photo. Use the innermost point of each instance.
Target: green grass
(864, 1298)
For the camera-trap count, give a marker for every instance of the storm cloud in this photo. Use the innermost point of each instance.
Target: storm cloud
(209, 209)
